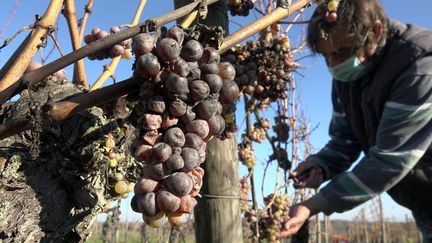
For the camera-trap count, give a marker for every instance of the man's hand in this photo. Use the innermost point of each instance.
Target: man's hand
(308, 175)
(299, 213)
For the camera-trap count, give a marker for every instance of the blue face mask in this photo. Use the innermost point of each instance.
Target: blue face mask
(350, 70)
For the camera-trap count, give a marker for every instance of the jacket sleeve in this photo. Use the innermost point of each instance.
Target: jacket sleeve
(342, 149)
(404, 134)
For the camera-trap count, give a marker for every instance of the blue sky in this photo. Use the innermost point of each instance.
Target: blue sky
(314, 81)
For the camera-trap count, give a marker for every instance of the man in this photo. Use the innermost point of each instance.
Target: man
(382, 105)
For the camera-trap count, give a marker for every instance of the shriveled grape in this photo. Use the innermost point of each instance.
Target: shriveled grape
(176, 84)
(174, 163)
(192, 51)
(147, 204)
(193, 141)
(156, 104)
(168, 49)
(214, 82)
(145, 185)
(206, 109)
(167, 201)
(199, 90)
(179, 183)
(178, 108)
(177, 34)
(191, 159)
(142, 44)
(161, 152)
(147, 65)
(174, 137)
(199, 127)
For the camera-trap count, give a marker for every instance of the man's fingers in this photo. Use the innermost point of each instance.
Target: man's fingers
(303, 168)
(290, 229)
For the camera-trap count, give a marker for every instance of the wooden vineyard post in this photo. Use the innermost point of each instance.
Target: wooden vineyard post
(217, 215)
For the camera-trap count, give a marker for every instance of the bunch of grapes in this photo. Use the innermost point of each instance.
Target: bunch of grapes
(259, 130)
(246, 152)
(331, 9)
(115, 158)
(240, 7)
(122, 49)
(184, 91)
(244, 193)
(263, 67)
(270, 219)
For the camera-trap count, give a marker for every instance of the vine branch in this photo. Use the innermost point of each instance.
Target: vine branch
(69, 12)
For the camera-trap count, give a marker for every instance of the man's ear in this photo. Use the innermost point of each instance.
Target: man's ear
(374, 38)
(377, 30)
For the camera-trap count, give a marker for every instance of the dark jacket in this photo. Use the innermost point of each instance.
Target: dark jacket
(374, 116)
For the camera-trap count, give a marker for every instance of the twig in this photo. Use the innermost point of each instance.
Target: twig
(87, 12)
(253, 191)
(56, 44)
(109, 70)
(263, 180)
(260, 24)
(276, 152)
(11, 17)
(16, 85)
(294, 20)
(79, 76)
(7, 41)
(259, 11)
(44, 58)
(10, 80)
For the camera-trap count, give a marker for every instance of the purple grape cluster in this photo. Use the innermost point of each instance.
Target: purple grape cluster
(183, 94)
(120, 49)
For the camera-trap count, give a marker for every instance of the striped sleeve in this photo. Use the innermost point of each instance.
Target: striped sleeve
(342, 149)
(404, 134)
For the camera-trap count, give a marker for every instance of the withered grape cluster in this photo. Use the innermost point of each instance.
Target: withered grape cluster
(120, 49)
(329, 10)
(240, 7)
(271, 219)
(115, 158)
(244, 193)
(246, 152)
(263, 67)
(183, 94)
